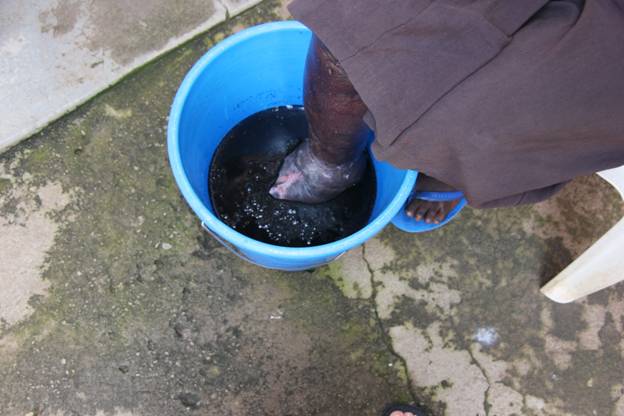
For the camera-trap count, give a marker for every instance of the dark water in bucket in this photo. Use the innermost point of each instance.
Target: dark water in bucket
(246, 164)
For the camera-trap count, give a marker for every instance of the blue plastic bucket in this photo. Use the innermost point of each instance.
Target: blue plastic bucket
(254, 70)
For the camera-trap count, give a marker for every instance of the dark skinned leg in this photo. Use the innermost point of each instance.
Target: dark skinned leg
(332, 158)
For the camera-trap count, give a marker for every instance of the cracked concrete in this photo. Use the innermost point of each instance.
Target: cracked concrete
(144, 313)
(27, 234)
(462, 307)
(126, 307)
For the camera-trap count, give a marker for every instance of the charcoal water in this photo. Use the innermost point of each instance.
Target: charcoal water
(245, 166)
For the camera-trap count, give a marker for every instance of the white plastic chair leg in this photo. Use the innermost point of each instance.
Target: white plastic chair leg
(615, 177)
(602, 265)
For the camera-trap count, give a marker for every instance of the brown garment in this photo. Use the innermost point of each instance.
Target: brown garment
(505, 100)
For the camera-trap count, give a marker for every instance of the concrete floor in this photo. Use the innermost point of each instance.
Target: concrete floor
(114, 302)
(56, 54)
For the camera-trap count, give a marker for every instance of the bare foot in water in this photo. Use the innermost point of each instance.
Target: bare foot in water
(333, 158)
(399, 413)
(432, 212)
(306, 178)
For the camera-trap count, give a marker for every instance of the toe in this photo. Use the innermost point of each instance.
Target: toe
(430, 216)
(439, 216)
(421, 211)
(409, 211)
(277, 191)
(412, 208)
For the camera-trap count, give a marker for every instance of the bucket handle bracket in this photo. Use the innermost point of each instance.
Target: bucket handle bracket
(228, 245)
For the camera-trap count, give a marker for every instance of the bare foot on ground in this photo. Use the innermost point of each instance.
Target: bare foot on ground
(432, 212)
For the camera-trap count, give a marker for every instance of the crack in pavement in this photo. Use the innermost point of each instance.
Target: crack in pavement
(387, 340)
(486, 395)
(228, 15)
(376, 291)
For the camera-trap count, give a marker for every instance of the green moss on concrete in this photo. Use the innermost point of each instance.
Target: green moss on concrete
(497, 260)
(143, 306)
(333, 271)
(5, 185)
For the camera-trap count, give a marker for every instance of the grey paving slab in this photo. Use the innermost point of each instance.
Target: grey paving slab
(463, 309)
(56, 54)
(235, 7)
(127, 307)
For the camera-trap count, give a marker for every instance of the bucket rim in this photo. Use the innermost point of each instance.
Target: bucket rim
(211, 220)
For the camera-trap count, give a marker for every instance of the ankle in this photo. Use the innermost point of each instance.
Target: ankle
(429, 184)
